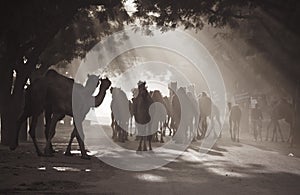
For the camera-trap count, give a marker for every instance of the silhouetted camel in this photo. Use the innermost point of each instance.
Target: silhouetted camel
(235, 115)
(160, 117)
(53, 93)
(174, 109)
(279, 111)
(82, 105)
(36, 101)
(131, 117)
(184, 133)
(167, 104)
(215, 115)
(120, 108)
(205, 106)
(175, 113)
(141, 105)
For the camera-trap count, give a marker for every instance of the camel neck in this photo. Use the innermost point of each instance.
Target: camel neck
(100, 97)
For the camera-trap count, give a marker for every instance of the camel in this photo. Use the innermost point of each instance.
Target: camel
(194, 114)
(131, 117)
(279, 111)
(174, 109)
(141, 105)
(175, 113)
(160, 117)
(120, 108)
(168, 119)
(215, 115)
(83, 105)
(205, 105)
(53, 93)
(35, 102)
(187, 112)
(235, 115)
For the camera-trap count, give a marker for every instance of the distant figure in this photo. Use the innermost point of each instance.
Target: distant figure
(167, 103)
(176, 113)
(215, 115)
(235, 115)
(185, 126)
(160, 114)
(205, 106)
(174, 117)
(194, 112)
(281, 110)
(120, 114)
(131, 117)
(256, 120)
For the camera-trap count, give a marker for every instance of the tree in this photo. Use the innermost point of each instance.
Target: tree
(46, 32)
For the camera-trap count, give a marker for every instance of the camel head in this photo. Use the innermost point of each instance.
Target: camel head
(115, 90)
(92, 83)
(142, 88)
(105, 83)
(156, 96)
(229, 104)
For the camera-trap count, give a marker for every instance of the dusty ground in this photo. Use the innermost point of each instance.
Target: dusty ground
(247, 167)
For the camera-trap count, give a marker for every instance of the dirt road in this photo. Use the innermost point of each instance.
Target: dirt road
(247, 167)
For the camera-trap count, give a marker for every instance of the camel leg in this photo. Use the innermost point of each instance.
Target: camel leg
(274, 131)
(238, 131)
(156, 137)
(199, 128)
(280, 132)
(68, 150)
(204, 129)
(113, 126)
(254, 124)
(48, 114)
(84, 155)
(149, 139)
(54, 120)
(171, 125)
(32, 134)
(291, 136)
(130, 126)
(80, 137)
(162, 135)
(268, 127)
(15, 141)
(230, 129)
(145, 145)
(234, 131)
(220, 126)
(123, 134)
(140, 144)
(260, 130)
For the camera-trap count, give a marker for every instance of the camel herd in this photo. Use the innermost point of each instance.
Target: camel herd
(153, 114)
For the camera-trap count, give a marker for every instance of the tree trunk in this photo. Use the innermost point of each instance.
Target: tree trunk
(11, 110)
(4, 128)
(6, 80)
(23, 132)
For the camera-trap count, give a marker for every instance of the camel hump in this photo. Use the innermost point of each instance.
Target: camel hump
(55, 75)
